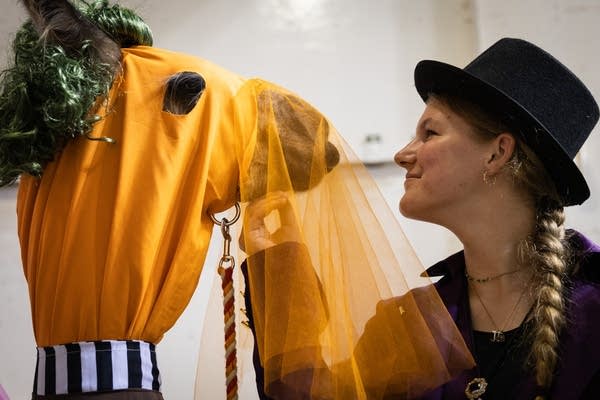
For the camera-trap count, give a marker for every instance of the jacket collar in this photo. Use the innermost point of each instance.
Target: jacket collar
(452, 266)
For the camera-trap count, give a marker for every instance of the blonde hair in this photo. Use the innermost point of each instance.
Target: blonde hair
(546, 250)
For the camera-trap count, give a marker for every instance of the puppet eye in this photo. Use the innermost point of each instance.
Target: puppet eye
(183, 92)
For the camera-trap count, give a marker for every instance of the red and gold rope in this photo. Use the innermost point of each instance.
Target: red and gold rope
(230, 340)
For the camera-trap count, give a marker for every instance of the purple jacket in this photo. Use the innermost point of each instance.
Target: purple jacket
(578, 371)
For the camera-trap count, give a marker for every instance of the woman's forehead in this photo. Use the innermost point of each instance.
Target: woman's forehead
(436, 111)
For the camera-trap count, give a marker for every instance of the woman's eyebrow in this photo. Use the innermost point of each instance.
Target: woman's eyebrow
(425, 123)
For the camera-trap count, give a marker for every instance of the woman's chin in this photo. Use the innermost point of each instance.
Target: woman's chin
(411, 209)
(406, 207)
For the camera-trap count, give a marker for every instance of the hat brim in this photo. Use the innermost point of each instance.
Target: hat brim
(438, 77)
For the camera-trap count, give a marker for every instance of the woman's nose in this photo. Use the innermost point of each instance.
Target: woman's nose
(406, 156)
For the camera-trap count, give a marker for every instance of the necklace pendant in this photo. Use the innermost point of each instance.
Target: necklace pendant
(475, 388)
(498, 337)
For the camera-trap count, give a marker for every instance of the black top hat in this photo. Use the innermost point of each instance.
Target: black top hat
(534, 94)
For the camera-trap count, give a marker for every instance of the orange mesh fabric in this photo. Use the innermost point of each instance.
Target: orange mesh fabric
(340, 308)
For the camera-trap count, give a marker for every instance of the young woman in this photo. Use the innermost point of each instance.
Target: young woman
(492, 161)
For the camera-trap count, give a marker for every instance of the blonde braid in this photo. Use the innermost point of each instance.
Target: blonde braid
(549, 256)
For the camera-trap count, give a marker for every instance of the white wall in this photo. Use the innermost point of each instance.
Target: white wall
(353, 60)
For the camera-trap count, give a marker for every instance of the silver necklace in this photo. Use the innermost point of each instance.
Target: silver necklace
(477, 386)
(498, 333)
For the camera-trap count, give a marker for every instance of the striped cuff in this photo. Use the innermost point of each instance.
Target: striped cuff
(96, 367)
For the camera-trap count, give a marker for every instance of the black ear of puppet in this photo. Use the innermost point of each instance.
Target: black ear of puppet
(183, 92)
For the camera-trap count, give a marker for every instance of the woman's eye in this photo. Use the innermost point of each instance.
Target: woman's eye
(428, 134)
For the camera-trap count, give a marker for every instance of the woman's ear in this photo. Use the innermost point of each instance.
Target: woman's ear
(502, 148)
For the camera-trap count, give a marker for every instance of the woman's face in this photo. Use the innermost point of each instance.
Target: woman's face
(444, 167)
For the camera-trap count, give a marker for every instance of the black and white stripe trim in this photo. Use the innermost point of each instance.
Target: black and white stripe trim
(96, 367)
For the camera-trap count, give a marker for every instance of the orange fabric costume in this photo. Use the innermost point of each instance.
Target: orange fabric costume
(113, 236)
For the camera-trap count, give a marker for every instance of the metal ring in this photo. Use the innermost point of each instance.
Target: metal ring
(238, 212)
(227, 259)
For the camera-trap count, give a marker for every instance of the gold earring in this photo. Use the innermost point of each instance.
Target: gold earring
(488, 180)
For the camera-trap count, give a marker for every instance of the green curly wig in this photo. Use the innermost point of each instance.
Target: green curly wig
(47, 96)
